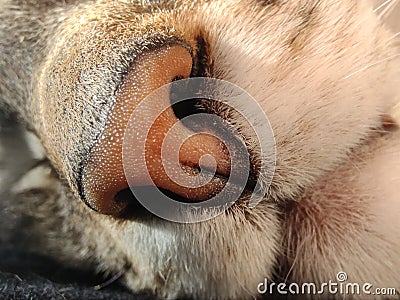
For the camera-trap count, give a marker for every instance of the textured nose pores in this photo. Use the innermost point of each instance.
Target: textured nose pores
(104, 177)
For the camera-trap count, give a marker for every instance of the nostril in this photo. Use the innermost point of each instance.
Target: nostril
(185, 108)
(133, 209)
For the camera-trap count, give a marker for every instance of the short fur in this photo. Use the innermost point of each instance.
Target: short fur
(324, 72)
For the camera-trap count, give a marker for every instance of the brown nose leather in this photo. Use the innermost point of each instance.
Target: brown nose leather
(104, 177)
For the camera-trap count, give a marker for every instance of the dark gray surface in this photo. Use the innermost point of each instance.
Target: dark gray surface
(29, 276)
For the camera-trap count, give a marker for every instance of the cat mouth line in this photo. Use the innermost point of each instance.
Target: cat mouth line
(136, 210)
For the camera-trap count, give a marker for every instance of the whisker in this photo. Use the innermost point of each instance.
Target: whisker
(387, 2)
(110, 281)
(370, 66)
(394, 36)
(295, 260)
(389, 9)
(382, 6)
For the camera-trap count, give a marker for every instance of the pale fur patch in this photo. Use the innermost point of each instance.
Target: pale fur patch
(323, 82)
(350, 221)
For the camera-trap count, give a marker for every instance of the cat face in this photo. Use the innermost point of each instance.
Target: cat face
(322, 73)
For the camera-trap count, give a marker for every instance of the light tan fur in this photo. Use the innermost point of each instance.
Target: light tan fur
(324, 72)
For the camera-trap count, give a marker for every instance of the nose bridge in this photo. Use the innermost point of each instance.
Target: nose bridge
(104, 175)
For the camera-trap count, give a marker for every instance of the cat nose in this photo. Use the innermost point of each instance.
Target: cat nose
(103, 177)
